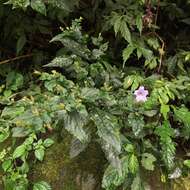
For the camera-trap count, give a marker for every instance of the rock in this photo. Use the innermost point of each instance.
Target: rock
(83, 172)
(86, 182)
(181, 183)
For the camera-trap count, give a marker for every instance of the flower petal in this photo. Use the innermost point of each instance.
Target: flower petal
(141, 98)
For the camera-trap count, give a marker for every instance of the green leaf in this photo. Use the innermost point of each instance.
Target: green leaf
(117, 24)
(74, 122)
(66, 5)
(108, 129)
(128, 81)
(90, 94)
(42, 185)
(137, 184)
(164, 109)
(20, 43)
(97, 53)
(146, 53)
(73, 46)
(14, 81)
(39, 6)
(139, 23)
(28, 118)
(77, 147)
(151, 63)
(153, 42)
(167, 145)
(12, 112)
(125, 31)
(39, 153)
(150, 113)
(129, 148)
(19, 151)
(61, 61)
(148, 161)
(133, 164)
(120, 25)
(187, 163)
(19, 3)
(112, 156)
(112, 179)
(4, 133)
(127, 52)
(48, 142)
(136, 122)
(162, 95)
(6, 165)
(20, 132)
(183, 115)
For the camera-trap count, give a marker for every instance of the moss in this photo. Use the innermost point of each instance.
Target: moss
(181, 184)
(86, 170)
(64, 173)
(153, 180)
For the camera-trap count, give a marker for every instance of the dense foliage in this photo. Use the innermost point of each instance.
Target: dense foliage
(75, 65)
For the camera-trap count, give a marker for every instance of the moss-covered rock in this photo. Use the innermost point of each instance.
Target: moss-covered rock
(181, 184)
(85, 171)
(154, 182)
(63, 173)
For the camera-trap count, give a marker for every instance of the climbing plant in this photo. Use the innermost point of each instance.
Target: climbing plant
(117, 71)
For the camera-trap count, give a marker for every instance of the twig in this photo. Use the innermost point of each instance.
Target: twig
(161, 50)
(15, 58)
(158, 7)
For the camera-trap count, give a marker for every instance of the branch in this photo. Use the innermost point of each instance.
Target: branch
(16, 58)
(157, 11)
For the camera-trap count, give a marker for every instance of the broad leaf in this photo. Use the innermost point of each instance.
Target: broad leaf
(112, 179)
(183, 115)
(6, 165)
(12, 112)
(75, 122)
(148, 161)
(42, 185)
(39, 6)
(20, 131)
(61, 61)
(136, 122)
(139, 23)
(137, 184)
(187, 163)
(168, 147)
(4, 133)
(20, 43)
(77, 147)
(164, 109)
(108, 129)
(133, 164)
(90, 94)
(19, 151)
(127, 52)
(39, 153)
(48, 142)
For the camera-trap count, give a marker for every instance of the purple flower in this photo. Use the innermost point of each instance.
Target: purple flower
(141, 94)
